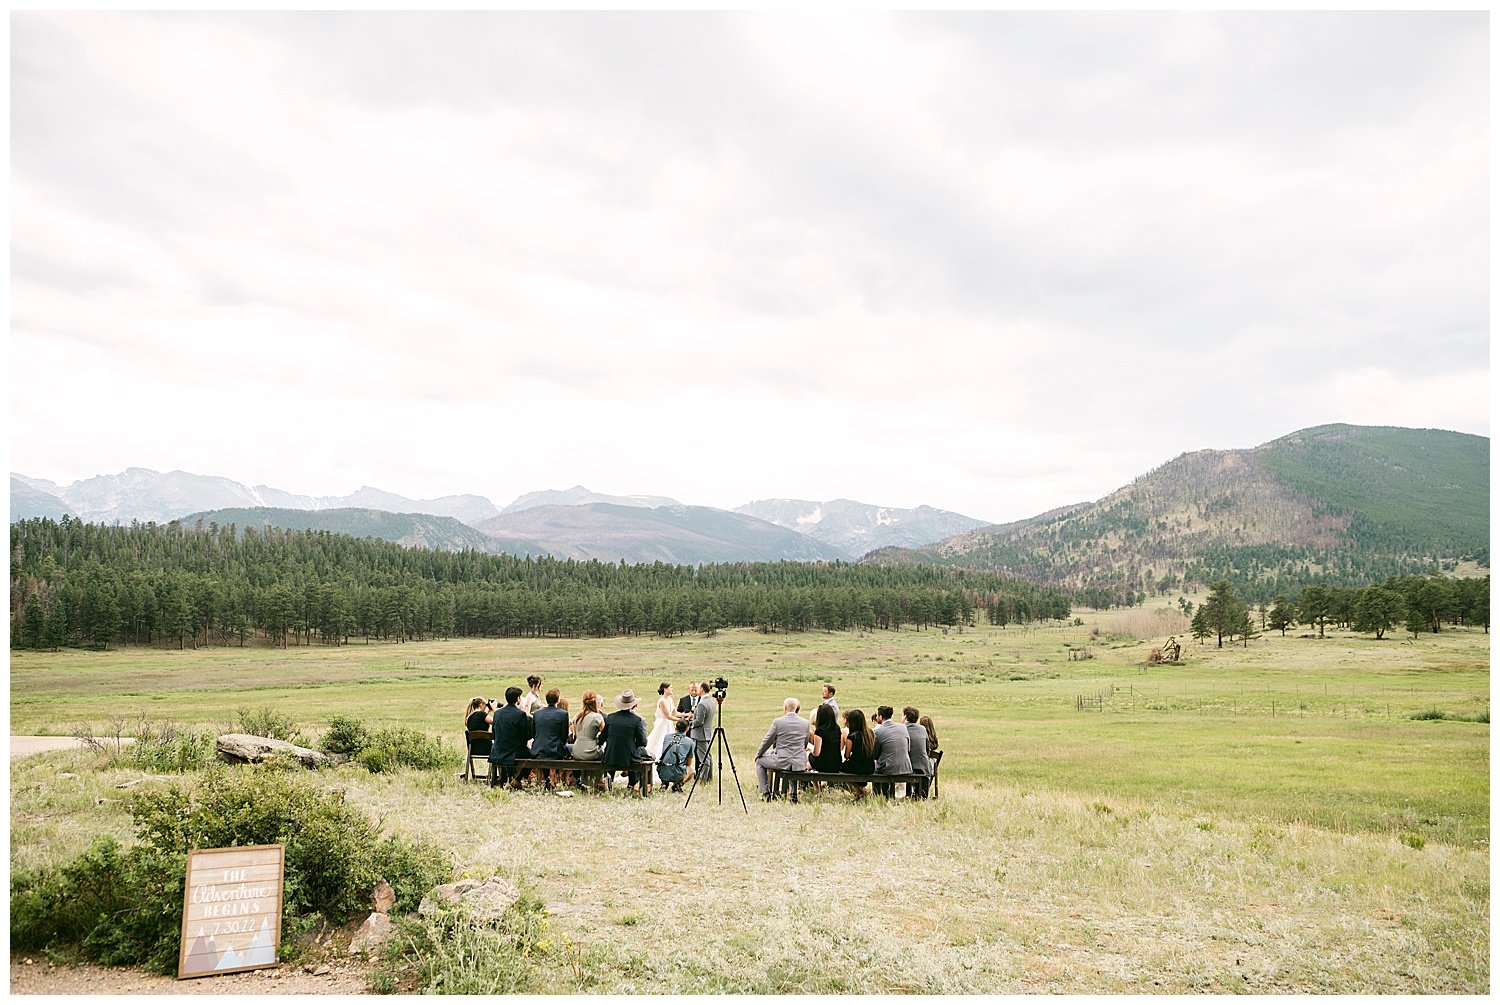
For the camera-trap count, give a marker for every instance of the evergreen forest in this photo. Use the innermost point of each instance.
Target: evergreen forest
(79, 583)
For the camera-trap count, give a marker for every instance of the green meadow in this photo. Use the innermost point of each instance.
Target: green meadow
(1275, 805)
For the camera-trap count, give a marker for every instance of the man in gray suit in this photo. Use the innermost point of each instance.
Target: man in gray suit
(892, 749)
(920, 762)
(702, 731)
(785, 745)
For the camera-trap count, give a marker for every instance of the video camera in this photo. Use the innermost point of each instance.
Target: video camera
(720, 688)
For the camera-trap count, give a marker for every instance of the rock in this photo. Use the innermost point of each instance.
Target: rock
(385, 897)
(483, 899)
(242, 748)
(372, 935)
(322, 970)
(68, 774)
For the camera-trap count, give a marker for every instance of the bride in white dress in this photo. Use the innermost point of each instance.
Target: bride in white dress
(666, 722)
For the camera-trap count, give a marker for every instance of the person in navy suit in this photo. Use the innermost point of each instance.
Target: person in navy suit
(511, 729)
(549, 730)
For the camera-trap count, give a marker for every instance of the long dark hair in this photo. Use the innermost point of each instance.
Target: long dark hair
(861, 737)
(926, 723)
(824, 718)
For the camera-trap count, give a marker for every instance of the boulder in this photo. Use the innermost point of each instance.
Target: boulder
(372, 935)
(385, 897)
(242, 748)
(483, 899)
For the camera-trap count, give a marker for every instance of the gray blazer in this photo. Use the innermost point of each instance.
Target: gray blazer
(920, 762)
(892, 749)
(702, 726)
(786, 741)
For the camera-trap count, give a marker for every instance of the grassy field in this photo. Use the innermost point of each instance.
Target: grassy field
(1261, 819)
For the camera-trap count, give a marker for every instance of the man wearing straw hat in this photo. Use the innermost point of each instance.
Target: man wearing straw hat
(625, 739)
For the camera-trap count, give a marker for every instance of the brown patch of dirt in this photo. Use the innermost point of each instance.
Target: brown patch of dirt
(37, 977)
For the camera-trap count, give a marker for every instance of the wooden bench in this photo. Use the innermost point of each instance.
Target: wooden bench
(584, 769)
(791, 781)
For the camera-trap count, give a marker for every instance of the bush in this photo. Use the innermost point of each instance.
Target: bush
(267, 722)
(167, 747)
(405, 748)
(452, 953)
(127, 908)
(1431, 713)
(346, 735)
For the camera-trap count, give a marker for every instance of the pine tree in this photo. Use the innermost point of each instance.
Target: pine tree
(33, 623)
(1222, 612)
(1378, 610)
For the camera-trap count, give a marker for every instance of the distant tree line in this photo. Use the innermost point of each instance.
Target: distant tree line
(1417, 603)
(77, 583)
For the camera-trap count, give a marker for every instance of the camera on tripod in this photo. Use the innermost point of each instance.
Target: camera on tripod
(720, 688)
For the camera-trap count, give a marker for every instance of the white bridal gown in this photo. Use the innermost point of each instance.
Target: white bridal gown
(666, 721)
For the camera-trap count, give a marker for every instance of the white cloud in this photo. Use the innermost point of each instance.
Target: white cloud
(993, 263)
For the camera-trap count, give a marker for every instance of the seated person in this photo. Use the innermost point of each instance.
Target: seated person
(784, 747)
(588, 729)
(827, 740)
(920, 762)
(625, 741)
(549, 730)
(477, 719)
(512, 728)
(676, 753)
(892, 748)
(859, 748)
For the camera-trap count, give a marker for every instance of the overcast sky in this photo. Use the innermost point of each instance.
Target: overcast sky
(990, 263)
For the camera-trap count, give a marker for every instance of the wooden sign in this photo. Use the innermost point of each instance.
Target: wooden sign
(231, 911)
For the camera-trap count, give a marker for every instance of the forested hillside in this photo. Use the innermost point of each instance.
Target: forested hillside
(410, 530)
(81, 583)
(1334, 504)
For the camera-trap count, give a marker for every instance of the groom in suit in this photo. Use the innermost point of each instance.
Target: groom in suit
(702, 730)
(689, 701)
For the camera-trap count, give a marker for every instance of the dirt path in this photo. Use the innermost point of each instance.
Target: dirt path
(34, 977)
(21, 746)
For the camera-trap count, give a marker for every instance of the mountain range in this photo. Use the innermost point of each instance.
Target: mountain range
(1341, 503)
(1337, 503)
(569, 523)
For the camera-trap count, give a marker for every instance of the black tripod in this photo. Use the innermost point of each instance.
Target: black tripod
(720, 742)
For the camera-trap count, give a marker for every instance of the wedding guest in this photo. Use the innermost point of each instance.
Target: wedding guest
(625, 740)
(549, 727)
(784, 747)
(586, 729)
(512, 728)
(892, 748)
(932, 741)
(827, 740)
(917, 738)
(859, 748)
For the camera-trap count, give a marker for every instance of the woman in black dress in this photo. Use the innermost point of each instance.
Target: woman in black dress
(859, 748)
(827, 741)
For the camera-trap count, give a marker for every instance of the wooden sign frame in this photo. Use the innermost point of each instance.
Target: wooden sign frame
(235, 893)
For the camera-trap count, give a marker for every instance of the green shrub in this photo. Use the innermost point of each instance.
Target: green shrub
(452, 953)
(61, 906)
(267, 722)
(127, 908)
(166, 747)
(1416, 841)
(405, 748)
(346, 735)
(1431, 713)
(412, 868)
